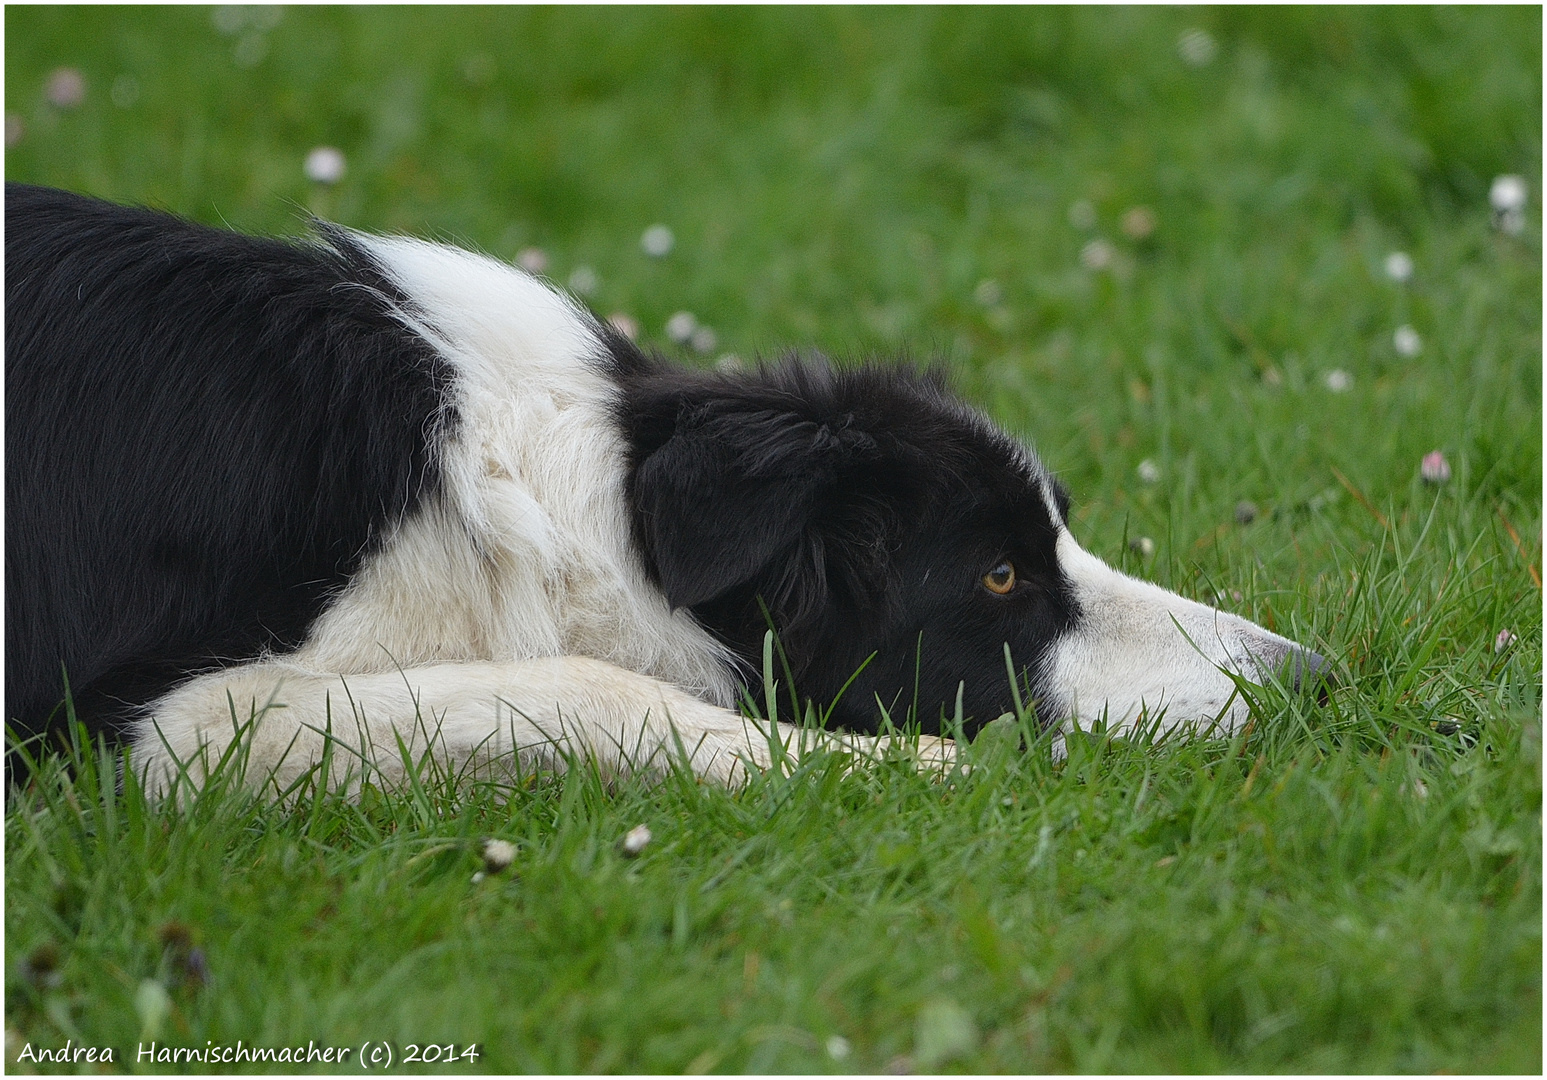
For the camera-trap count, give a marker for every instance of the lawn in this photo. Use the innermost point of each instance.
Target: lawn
(1137, 237)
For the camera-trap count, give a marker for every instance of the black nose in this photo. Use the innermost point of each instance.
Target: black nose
(1310, 671)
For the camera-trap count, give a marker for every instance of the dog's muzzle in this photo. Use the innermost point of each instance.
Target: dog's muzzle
(1139, 651)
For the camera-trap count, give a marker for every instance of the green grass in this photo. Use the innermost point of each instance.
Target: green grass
(1351, 888)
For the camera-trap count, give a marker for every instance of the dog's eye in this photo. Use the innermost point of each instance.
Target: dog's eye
(1001, 579)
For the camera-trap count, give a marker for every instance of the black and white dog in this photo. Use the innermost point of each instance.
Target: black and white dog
(392, 489)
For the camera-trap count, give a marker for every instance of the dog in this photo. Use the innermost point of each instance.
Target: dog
(411, 498)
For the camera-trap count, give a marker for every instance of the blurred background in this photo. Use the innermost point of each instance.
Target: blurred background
(1199, 257)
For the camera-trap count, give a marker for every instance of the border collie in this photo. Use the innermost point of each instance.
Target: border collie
(414, 497)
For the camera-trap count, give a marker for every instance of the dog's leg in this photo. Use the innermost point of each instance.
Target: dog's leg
(464, 715)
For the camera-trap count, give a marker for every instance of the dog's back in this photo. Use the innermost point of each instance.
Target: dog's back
(204, 434)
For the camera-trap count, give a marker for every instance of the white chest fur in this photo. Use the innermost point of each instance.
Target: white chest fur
(529, 552)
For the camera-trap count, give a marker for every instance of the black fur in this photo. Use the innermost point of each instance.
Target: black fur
(858, 510)
(205, 434)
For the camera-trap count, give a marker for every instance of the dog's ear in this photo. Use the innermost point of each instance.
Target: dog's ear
(731, 498)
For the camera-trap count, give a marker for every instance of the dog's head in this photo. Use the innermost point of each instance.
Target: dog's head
(872, 516)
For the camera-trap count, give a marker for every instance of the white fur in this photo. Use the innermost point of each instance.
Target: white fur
(532, 553)
(1139, 650)
(478, 719)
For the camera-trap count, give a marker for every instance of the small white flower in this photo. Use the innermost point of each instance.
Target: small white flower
(1139, 222)
(1245, 512)
(534, 260)
(1096, 255)
(1399, 266)
(325, 165)
(1143, 545)
(704, 340)
(66, 88)
(1508, 198)
(1339, 380)
(1508, 193)
(583, 281)
(498, 855)
(680, 327)
(1505, 639)
(988, 293)
(624, 324)
(1196, 47)
(729, 363)
(1082, 215)
(657, 241)
(1406, 341)
(1149, 472)
(838, 1047)
(634, 841)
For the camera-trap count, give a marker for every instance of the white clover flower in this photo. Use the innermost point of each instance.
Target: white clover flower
(1143, 545)
(1508, 193)
(583, 281)
(624, 324)
(680, 327)
(1505, 639)
(704, 340)
(657, 241)
(1139, 222)
(1508, 198)
(1406, 341)
(838, 1047)
(634, 841)
(325, 165)
(1148, 471)
(66, 88)
(1399, 266)
(1196, 47)
(534, 260)
(1096, 255)
(498, 855)
(1339, 380)
(988, 293)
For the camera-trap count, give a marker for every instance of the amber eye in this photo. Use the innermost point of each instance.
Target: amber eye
(1001, 579)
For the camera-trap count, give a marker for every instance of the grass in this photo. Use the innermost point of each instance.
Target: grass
(1353, 888)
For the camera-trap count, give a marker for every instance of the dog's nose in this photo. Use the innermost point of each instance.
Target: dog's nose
(1310, 671)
